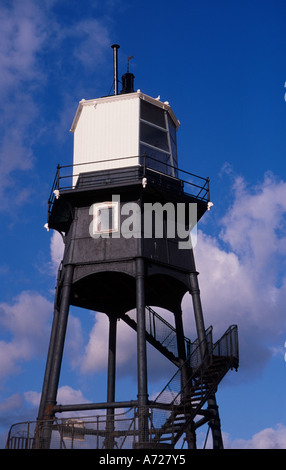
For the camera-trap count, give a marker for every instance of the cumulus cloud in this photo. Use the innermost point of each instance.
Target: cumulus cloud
(242, 272)
(96, 351)
(93, 36)
(31, 43)
(11, 403)
(24, 407)
(269, 438)
(66, 395)
(22, 35)
(25, 327)
(56, 251)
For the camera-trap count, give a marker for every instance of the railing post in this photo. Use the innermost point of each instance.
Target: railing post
(58, 177)
(208, 189)
(144, 164)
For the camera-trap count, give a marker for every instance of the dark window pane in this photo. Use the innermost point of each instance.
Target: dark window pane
(158, 160)
(151, 113)
(153, 136)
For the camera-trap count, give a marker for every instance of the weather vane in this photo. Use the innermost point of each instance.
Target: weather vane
(129, 58)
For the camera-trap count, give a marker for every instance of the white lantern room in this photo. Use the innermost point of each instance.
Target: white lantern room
(118, 130)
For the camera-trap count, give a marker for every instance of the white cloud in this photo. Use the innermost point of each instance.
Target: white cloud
(74, 344)
(96, 351)
(56, 251)
(22, 35)
(20, 408)
(269, 438)
(242, 273)
(33, 398)
(254, 227)
(93, 36)
(11, 403)
(25, 323)
(32, 47)
(68, 395)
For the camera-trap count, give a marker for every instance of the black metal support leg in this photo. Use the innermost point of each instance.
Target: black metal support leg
(180, 336)
(110, 442)
(49, 362)
(55, 354)
(214, 423)
(198, 312)
(141, 351)
(190, 432)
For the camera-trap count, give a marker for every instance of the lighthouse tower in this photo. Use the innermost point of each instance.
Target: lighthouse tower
(125, 210)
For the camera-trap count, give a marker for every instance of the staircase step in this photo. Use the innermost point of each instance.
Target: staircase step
(179, 420)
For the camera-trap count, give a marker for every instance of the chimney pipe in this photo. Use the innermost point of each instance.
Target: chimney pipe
(115, 66)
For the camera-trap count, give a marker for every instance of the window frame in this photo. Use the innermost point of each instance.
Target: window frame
(97, 207)
(171, 153)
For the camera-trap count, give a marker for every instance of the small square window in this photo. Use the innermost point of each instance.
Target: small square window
(105, 217)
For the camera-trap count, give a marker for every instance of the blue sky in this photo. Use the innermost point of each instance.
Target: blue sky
(221, 65)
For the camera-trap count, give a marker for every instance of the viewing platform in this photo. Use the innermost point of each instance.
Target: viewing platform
(186, 186)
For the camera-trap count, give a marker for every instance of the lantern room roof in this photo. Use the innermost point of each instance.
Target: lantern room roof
(122, 97)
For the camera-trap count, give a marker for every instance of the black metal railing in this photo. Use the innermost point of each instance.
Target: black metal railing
(227, 345)
(67, 176)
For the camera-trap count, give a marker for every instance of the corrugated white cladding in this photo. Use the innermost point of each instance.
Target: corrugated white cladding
(107, 132)
(106, 129)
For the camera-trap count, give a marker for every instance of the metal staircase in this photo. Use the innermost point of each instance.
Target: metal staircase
(182, 403)
(194, 383)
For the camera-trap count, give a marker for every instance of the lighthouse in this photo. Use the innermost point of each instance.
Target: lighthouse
(126, 210)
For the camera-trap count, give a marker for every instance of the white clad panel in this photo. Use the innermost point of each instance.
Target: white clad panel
(107, 130)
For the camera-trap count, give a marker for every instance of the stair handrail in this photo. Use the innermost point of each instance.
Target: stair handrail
(168, 337)
(196, 351)
(227, 345)
(188, 343)
(230, 340)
